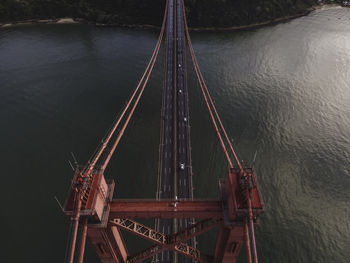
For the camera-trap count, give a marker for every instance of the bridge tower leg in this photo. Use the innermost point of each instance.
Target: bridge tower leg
(228, 244)
(83, 240)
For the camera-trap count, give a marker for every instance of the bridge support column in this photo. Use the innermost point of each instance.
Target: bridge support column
(228, 244)
(108, 244)
(83, 241)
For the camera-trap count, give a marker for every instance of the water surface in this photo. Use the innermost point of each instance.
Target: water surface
(282, 90)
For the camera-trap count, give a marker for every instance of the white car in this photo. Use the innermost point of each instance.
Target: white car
(185, 119)
(182, 166)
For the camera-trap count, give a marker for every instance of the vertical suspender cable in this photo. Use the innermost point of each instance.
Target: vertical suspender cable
(205, 91)
(220, 123)
(147, 72)
(107, 139)
(214, 122)
(206, 95)
(88, 170)
(151, 64)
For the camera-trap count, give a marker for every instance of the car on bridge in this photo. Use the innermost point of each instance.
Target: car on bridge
(182, 166)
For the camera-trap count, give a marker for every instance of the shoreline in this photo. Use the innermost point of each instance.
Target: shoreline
(63, 20)
(265, 23)
(252, 26)
(70, 20)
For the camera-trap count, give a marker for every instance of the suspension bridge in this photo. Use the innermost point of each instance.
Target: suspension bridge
(179, 217)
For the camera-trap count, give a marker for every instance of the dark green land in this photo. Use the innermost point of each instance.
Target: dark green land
(200, 13)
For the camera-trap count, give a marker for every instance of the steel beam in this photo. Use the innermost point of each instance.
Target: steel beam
(181, 248)
(141, 208)
(194, 230)
(146, 254)
(192, 252)
(163, 242)
(180, 237)
(140, 230)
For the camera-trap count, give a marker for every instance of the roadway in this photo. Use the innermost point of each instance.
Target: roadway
(175, 172)
(167, 156)
(184, 175)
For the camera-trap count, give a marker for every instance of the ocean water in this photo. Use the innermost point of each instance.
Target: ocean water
(282, 91)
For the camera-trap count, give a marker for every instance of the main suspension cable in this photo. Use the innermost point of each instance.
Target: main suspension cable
(150, 67)
(196, 67)
(211, 107)
(206, 95)
(105, 141)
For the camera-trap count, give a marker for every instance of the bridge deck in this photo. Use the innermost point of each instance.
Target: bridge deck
(175, 158)
(89, 200)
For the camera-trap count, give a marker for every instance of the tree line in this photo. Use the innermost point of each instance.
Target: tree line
(200, 13)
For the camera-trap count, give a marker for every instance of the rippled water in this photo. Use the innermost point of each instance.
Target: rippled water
(282, 90)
